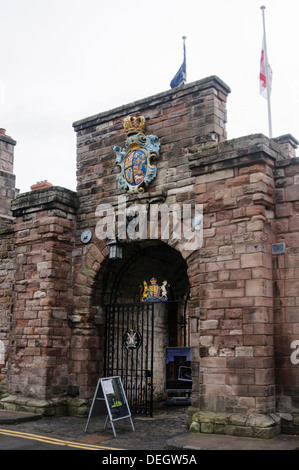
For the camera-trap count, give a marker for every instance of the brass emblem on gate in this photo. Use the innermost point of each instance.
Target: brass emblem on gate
(132, 339)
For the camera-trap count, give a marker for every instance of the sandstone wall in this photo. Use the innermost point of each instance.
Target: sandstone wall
(285, 225)
(242, 314)
(44, 237)
(7, 194)
(182, 119)
(7, 178)
(7, 276)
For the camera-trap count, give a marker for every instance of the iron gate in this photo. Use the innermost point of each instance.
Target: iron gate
(130, 352)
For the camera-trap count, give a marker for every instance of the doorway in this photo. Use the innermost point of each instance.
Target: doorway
(137, 333)
(130, 332)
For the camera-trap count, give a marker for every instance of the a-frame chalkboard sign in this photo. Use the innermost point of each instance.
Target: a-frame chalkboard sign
(110, 399)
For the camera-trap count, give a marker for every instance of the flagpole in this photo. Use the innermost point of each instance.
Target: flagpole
(184, 41)
(267, 76)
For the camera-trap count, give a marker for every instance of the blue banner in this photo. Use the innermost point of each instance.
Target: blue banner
(181, 75)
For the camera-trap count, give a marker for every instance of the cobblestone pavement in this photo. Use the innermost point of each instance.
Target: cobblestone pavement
(150, 433)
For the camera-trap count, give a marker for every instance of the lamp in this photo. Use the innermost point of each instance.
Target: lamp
(115, 249)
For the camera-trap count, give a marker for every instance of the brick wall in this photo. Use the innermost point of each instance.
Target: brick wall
(185, 118)
(7, 178)
(235, 315)
(7, 193)
(7, 274)
(242, 314)
(44, 237)
(285, 225)
(182, 119)
(231, 315)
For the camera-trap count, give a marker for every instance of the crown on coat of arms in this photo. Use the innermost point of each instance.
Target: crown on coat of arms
(134, 124)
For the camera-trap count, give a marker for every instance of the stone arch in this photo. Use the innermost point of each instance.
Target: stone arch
(142, 260)
(93, 262)
(92, 259)
(96, 274)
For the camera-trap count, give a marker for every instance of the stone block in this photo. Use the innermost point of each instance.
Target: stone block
(218, 175)
(237, 419)
(240, 431)
(219, 429)
(208, 324)
(207, 428)
(292, 193)
(244, 351)
(195, 427)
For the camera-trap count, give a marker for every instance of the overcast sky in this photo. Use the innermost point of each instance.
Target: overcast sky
(65, 60)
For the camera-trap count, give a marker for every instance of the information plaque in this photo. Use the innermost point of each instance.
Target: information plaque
(110, 399)
(178, 370)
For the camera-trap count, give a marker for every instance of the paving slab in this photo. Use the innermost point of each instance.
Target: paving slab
(166, 430)
(15, 417)
(201, 441)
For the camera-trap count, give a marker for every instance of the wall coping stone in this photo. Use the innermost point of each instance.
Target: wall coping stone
(7, 175)
(232, 153)
(289, 138)
(152, 101)
(8, 140)
(9, 225)
(289, 161)
(43, 199)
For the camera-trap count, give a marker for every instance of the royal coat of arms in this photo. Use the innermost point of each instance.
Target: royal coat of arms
(154, 292)
(135, 159)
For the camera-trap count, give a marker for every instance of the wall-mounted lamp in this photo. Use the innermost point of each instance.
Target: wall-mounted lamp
(115, 249)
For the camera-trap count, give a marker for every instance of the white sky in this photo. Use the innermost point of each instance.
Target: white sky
(65, 60)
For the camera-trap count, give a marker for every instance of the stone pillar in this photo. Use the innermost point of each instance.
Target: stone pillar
(44, 238)
(6, 289)
(7, 194)
(7, 178)
(285, 226)
(234, 182)
(160, 343)
(288, 145)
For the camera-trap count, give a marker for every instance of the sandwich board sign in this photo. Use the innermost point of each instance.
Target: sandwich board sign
(110, 397)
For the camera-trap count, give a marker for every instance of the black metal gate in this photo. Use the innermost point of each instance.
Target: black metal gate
(130, 352)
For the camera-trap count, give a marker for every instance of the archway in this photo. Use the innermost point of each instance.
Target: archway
(156, 324)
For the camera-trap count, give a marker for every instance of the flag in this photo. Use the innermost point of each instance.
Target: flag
(263, 75)
(181, 75)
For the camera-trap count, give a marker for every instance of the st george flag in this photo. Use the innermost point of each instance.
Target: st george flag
(263, 75)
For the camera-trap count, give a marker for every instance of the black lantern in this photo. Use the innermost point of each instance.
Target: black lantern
(115, 249)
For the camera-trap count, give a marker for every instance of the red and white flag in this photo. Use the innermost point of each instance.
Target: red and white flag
(263, 75)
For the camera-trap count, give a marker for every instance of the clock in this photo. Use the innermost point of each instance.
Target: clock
(197, 222)
(86, 236)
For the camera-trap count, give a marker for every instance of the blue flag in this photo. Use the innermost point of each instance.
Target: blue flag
(181, 75)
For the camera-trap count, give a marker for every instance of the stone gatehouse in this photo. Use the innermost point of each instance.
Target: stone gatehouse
(234, 301)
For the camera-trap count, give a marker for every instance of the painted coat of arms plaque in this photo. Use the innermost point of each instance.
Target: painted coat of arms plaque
(135, 159)
(154, 292)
